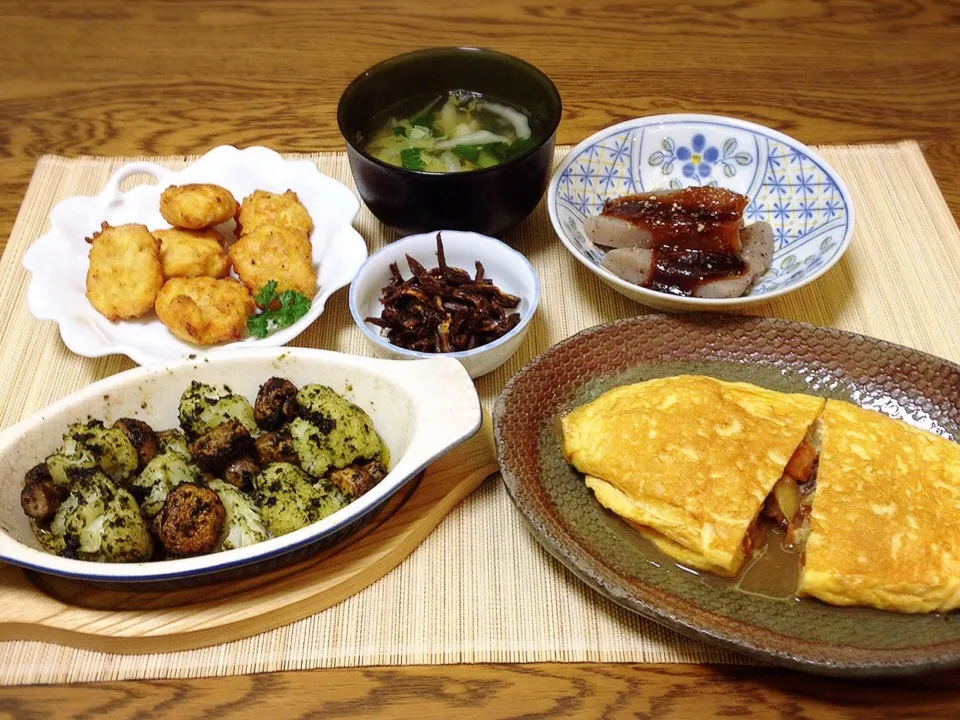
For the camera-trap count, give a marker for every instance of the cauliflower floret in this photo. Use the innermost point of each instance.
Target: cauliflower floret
(332, 432)
(203, 407)
(328, 499)
(173, 440)
(312, 446)
(99, 521)
(288, 501)
(90, 445)
(244, 526)
(170, 467)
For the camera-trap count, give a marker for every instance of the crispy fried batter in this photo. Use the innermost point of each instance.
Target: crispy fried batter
(274, 253)
(125, 274)
(192, 253)
(197, 206)
(265, 208)
(203, 310)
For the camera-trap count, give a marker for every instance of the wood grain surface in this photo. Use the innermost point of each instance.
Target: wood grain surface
(125, 78)
(655, 692)
(121, 78)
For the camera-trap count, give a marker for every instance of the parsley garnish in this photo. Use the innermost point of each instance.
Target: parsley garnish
(399, 131)
(410, 159)
(279, 310)
(265, 295)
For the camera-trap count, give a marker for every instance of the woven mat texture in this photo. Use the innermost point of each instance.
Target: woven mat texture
(480, 589)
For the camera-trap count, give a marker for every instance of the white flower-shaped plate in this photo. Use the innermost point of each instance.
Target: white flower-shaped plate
(788, 185)
(58, 260)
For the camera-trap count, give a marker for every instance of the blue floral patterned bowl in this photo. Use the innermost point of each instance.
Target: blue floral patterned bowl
(788, 184)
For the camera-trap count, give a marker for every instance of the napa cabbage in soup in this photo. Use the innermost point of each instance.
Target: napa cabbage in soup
(456, 132)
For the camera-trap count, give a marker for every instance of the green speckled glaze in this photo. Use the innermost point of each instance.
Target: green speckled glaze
(608, 555)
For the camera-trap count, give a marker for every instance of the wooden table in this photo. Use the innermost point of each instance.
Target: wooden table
(125, 78)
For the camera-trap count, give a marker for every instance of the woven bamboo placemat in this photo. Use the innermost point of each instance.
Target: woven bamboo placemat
(480, 589)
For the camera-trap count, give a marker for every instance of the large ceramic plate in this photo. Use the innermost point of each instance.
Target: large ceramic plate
(610, 557)
(789, 186)
(58, 260)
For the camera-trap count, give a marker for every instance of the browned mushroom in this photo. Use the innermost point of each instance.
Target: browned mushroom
(276, 404)
(355, 480)
(240, 472)
(142, 437)
(214, 450)
(190, 521)
(276, 447)
(38, 473)
(377, 470)
(40, 500)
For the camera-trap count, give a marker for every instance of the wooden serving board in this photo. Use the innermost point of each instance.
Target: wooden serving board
(67, 612)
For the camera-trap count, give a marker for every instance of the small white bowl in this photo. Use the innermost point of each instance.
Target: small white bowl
(508, 269)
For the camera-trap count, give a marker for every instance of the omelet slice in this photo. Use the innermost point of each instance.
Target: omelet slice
(691, 458)
(885, 520)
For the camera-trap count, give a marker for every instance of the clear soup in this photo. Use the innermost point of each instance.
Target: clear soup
(457, 131)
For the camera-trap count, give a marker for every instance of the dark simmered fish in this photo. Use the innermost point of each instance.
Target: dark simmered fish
(696, 218)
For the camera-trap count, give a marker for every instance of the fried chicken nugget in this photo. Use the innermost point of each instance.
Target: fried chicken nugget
(266, 208)
(275, 253)
(192, 253)
(204, 310)
(125, 273)
(197, 206)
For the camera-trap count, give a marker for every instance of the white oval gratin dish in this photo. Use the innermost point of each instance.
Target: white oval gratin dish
(58, 260)
(420, 409)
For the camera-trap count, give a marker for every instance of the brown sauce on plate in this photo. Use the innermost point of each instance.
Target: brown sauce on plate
(681, 272)
(695, 218)
(773, 570)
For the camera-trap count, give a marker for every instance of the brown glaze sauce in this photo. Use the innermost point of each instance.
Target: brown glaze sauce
(774, 569)
(696, 218)
(681, 272)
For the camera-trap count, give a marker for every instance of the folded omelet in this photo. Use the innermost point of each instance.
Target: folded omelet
(689, 458)
(885, 519)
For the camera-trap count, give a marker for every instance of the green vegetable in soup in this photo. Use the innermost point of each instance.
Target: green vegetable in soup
(466, 132)
(470, 153)
(410, 159)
